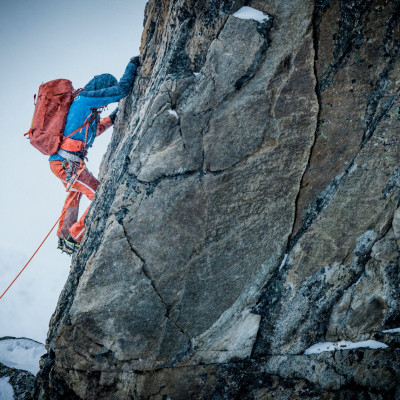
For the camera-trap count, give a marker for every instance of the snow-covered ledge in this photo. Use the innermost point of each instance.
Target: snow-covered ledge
(21, 353)
(251, 13)
(344, 345)
(395, 330)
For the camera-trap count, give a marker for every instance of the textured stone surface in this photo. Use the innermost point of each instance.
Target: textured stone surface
(248, 209)
(354, 208)
(346, 374)
(357, 68)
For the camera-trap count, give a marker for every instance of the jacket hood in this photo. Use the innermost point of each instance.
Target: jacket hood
(101, 82)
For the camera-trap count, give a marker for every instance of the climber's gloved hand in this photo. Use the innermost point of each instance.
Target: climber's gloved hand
(135, 60)
(113, 115)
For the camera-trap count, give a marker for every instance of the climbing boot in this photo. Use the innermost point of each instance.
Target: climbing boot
(61, 246)
(71, 245)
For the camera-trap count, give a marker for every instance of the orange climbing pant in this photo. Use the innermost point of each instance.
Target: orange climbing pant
(85, 184)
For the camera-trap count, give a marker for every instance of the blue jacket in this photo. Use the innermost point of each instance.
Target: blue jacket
(100, 91)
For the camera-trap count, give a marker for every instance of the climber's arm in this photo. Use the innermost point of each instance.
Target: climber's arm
(102, 97)
(106, 123)
(103, 125)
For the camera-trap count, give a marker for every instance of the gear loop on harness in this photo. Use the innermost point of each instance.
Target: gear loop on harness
(73, 166)
(68, 168)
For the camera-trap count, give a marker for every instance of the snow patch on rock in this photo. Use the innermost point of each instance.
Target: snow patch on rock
(344, 345)
(283, 261)
(395, 330)
(21, 354)
(174, 113)
(251, 13)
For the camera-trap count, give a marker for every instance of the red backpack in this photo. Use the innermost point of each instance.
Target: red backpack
(50, 115)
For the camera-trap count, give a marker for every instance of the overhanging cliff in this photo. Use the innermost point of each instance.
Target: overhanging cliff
(248, 209)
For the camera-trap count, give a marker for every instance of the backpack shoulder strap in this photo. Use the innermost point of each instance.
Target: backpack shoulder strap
(93, 114)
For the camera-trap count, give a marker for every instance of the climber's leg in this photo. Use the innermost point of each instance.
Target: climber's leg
(70, 211)
(86, 184)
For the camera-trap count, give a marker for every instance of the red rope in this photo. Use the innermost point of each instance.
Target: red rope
(51, 230)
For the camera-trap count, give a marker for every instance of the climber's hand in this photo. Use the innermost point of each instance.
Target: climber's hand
(135, 60)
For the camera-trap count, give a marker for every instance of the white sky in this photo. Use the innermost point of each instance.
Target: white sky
(41, 40)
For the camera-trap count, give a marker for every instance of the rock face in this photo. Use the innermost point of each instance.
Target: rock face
(248, 209)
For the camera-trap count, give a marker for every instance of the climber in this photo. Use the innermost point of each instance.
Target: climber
(68, 163)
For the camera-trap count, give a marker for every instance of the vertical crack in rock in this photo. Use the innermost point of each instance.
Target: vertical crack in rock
(204, 131)
(366, 39)
(374, 114)
(292, 240)
(147, 273)
(274, 291)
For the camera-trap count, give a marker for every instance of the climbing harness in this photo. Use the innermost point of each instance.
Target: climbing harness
(73, 170)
